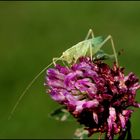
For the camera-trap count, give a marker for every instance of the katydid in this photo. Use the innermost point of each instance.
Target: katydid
(89, 47)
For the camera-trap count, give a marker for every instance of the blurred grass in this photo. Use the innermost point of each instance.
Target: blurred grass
(32, 33)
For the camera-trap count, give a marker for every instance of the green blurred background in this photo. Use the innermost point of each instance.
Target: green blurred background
(32, 33)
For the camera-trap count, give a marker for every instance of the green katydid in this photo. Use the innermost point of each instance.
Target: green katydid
(89, 47)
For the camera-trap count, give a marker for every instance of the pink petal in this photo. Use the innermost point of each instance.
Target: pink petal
(92, 103)
(95, 117)
(111, 119)
(122, 120)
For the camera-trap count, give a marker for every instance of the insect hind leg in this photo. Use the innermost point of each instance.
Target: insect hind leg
(109, 37)
(90, 47)
(90, 33)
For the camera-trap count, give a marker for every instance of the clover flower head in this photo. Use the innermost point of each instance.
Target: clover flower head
(95, 94)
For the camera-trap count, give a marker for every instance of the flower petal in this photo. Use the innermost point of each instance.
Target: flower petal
(90, 104)
(95, 117)
(122, 120)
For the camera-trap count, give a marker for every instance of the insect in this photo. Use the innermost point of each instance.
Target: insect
(89, 47)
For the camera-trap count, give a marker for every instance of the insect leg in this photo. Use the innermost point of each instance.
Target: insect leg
(54, 60)
(113, 47)
(90, 32)
(90, 47)
(64, 63)
(58, 58)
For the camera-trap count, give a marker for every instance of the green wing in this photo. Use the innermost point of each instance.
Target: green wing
(96, 49)
(96, 44)
(97, 41)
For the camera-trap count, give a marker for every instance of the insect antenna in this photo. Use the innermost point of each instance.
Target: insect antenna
(27, 88)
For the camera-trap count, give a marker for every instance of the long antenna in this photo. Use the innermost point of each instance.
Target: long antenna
(26, 89)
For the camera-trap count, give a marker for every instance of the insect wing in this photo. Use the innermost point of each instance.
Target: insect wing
(82, 48)
(76, 51)
(96, 44)
(97, 41)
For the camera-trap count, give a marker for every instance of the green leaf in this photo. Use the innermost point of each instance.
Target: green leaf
(61, 114)
(81, 133)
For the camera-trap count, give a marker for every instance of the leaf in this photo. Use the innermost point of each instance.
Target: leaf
(61, 114)
(81, 133)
